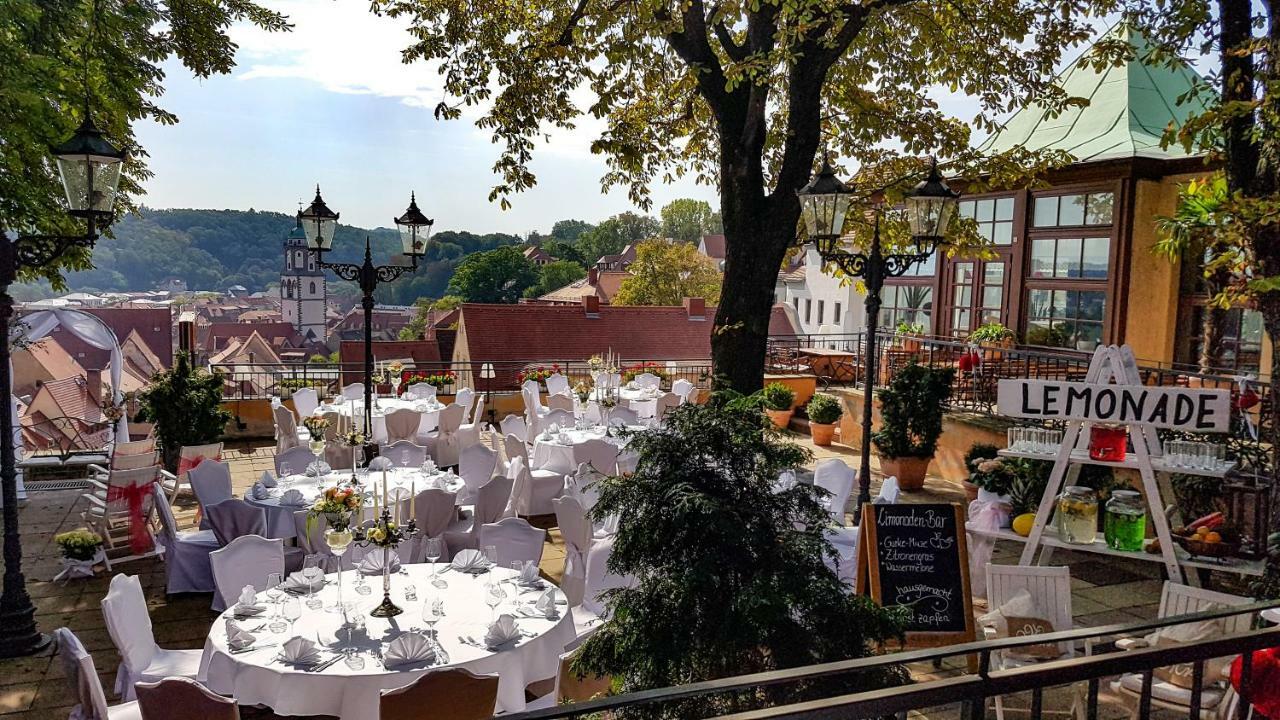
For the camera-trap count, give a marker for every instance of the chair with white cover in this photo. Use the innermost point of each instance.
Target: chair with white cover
(557, 384)
(1218, 699)
(490, 507)
(475, 466)
(124, 608)
(514, 539)
(623, 416)
(469, 430)
(597, 453)
(576, 531)
(514, 425)
(112, 511)
(288, 434)
(1050, 590)
(582, 485)
(443, 445)
(457, 694)
(186, 554)
(836, 477)
(664, 403)
(562, 419)
(889, 491)
(189, 458)
(465, 397)
(404, 454)
(533, 407)
(310, 538)
(248, 560)
(297, 459)
(211, 482)
(98, 474)
(81, 676)
(560, 402)
(684, 390)
(648, 380)
(305, 401)
(567, 687)
(233, 518)
(403, 424)
(179, 698)
(434, 510)
(420, 391)
(354, 391)
(542, 485)
(599, 579)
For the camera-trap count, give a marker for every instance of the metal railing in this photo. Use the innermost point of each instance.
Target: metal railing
(258, 381)
(971, 688)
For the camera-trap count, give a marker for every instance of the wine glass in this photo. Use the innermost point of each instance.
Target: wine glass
(358, 554)
(490, 557)
(493, 597)
(286, 475)
(517, 570)
(435, 549)
(312, 571)
(432, 613)
(292, 610)
(274, 593)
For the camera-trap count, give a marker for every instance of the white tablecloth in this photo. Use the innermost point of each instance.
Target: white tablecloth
(280, 518)
(643, 401)
(430, 410)
(557, 453)
(256, 678)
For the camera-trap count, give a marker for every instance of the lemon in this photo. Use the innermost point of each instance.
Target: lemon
(1022, 524)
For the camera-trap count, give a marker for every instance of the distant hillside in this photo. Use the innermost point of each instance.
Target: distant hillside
(215, 249)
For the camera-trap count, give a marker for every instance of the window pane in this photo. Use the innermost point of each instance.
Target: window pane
(965, 210)
(1099, 208)
(993, 273)
(1071, 210)
(1002, 234)
(1096, 261)
(1039, 332)
(985, 230)
(1091, 305)
(1068, 262)
(992, 296)
(960, 320)
(1046, 212)
(1004, 208)
(990, 316)
(985, 210)
(964, 294)
(1038, 304)
(1042, 257)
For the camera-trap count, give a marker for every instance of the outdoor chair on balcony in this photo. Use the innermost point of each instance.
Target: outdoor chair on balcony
(420, 391)
(434, 509)
(836, 477)
(112, 513)
(288, 434)
(541, 486)
(128, 621)
(248, 560)
(490, 506)
(186, 554)
(81, 676)
(305, 402)
(211, 482)
(576, 531)
(648, 380)
(514, 425)
(557, 384)
(404, 454)
(457, 694)
(296, 459)
(469, 431)
(443, 445)
(1171, 686)
(354, 391)
(475, 465)
(403, 424)
(514, 540)
(180, 698)
(189, 457)
(560, 402)
(684, 390)
(465, 398)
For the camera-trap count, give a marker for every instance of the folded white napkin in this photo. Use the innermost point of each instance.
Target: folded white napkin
(237, 637)
(293, 497)
(297, 581)
(563, 438)
(546, 604)
(408, 649)
(323, 470)
(501, 631)
(380, 463)
(422, 407)
(248, 597)
(260, 491)
(372, 563)
(469, 560)
(529, 575)
(299, 650)
(633, 385)
(268, 480)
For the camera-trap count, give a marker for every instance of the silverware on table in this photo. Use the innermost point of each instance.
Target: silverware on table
(251, 648)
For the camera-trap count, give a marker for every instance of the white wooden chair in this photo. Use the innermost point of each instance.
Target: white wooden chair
(354, 391)
(1050, 588)
(1215, 703)
(128, 621)
(836, 477)
(104, 516)
(189, 457)
(684, 389)
(470, 429)
(560, 402)
(648, 380)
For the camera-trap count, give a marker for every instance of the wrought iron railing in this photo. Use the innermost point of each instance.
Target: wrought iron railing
(970, 686)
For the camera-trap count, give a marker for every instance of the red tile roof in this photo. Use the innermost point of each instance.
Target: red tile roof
(713, 246)
(605, 287)
(154, 326)
(278, 334)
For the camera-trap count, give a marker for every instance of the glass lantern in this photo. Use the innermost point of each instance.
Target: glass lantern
(824, 202)
(319, 224)
(415, 230)
(930, 208)
(90, 169)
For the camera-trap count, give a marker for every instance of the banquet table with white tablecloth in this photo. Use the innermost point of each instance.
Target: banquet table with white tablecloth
(555, 450)
(280, 516)
(430, 410)
(259, 676)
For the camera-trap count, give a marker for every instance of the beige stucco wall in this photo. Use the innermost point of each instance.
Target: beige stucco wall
(1152, 314)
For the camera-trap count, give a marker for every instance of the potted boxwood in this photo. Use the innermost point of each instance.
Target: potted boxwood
(994, 337)
(909, 334)
(824, 412)
(911, 421)
(778, 399)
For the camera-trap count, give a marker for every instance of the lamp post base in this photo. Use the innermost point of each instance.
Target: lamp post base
(19, 636)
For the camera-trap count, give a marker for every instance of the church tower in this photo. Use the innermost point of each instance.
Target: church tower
(303, 295)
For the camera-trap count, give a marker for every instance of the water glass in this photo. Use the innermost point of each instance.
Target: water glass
(435, 550)
(274, 593)
(491, 556)
(312, 571)
(292, 610)
(493, 597)
(432, 613)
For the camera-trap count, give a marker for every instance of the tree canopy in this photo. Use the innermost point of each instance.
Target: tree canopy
(496, 276)
(688, 220)
(611, 236)
(555, 275)
(666, 272)
(51, 47)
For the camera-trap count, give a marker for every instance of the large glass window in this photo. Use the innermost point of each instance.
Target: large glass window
(962, 298)
(1074, 258)
(991, 309)
(1094, 208)
(912, 304)
(1065, 318)
(1239, 347)
(994, 217)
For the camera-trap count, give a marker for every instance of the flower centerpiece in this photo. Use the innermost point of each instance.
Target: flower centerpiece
(316, 425)
(112, 412)
(81, 549)
(582, 391)
(337, 505)
(353, 439)
(395, 369)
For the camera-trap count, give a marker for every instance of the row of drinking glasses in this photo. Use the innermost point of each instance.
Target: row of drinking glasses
(1195, 455)
(1034, 440)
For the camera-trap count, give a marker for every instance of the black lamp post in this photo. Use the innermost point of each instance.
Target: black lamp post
(89, 166)
(319, 223)
(825, 203)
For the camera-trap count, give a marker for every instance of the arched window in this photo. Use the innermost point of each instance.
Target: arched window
(313, 287)
(288, 289)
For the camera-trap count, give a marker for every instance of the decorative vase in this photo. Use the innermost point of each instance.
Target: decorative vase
(338, 537)
(781, 418)
(910, 471)
(822, 433)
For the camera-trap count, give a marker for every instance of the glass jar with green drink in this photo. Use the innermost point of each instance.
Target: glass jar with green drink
(1125, 525)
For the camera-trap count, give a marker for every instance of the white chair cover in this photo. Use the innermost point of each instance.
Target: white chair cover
(889, 490)
(465, 397)
(124, 609)
(623, 416)
(403, 424)
(248, 560)
(560, 418)
(683, 389)
(311, 541)
(186, 554)
(434, 510)
(514, 539)
(557, 384)
(444, 445)
(560, 402)
(233, 518)
(404, 454)
(665, 402)
(576, 531)
(490, 507)
(305, 401)
(648, 380)
(420, 391)
(469, 432)
(583, 485)
(475, 466)
(211, 483)
(534, 488)
(834, 476)
(601, 455)
(599, 578)
(287, 435)
(354, 391)
(296, 458)
(514, 425)
(82, 678)
(627, 462)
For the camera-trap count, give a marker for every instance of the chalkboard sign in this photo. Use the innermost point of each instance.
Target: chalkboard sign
(915, 557)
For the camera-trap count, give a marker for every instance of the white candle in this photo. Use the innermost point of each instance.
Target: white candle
(413, 504)
(385, 497)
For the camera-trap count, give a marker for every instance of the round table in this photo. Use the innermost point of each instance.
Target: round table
(430, 410)
(557, 453)
(642, 400)
(280, 517)
(257, 677)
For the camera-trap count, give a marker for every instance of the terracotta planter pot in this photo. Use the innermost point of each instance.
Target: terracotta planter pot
(822, 432)
(910, 344)
(970, 491)
(910, 471)
(781, 418)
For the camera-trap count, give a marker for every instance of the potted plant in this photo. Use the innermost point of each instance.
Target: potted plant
(81, 549)
(824, 411)
(185, 403)
(778, 399)
(993, 336)
(909, 334)
(978, 453)
(911, 422)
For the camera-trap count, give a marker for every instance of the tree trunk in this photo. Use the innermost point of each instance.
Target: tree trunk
(1269, 307)
(1211, 339)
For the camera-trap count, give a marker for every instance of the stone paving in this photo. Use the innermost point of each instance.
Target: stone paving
(1104, 591)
